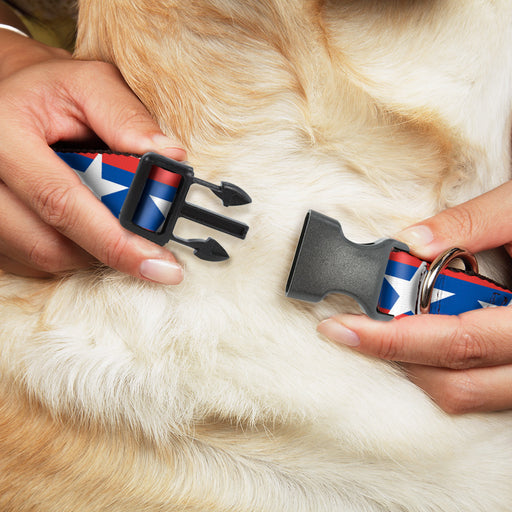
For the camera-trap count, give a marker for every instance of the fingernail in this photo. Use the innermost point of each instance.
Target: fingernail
(338, 333)
(416, 237)
(161, 271)
(170, 146)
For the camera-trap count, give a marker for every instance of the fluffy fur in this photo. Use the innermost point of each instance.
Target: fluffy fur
(217, 394)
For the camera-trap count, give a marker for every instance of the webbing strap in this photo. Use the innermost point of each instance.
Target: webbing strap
(455, 291)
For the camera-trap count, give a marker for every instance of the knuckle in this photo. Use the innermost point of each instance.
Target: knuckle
(115, 250)
(133, 116)
(44, 257)
(388, 347)
(465, 348)
(53, 203)
(79, 82)
(460, 220)
(98, 68)
(131, 120)
(460, 394)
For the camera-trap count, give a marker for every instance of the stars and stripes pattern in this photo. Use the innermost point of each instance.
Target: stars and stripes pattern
(454, 291)
(109, 177)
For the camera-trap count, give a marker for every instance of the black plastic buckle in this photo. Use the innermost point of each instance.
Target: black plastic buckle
(326, 262)
(208, 249)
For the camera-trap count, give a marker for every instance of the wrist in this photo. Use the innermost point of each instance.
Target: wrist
(18, 52)
(10, 18)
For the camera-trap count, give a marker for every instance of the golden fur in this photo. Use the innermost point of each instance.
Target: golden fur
(217, 394)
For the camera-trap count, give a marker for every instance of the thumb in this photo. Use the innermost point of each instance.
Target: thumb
(476, 225)
(119, 118)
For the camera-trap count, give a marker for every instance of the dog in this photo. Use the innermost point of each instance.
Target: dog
(218, 394)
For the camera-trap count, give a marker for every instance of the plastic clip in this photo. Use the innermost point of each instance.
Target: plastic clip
(208, 249)
(326, 262)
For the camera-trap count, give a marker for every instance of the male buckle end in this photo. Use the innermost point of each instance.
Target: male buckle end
(182, 177)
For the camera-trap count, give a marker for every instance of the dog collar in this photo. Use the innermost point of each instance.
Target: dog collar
(147, 193)
(386, 280)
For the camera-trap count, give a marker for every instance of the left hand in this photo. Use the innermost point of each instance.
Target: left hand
(463, 362)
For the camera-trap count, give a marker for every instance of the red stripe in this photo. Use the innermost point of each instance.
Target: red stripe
(475, 279)
(409, 259)
(92, 156)
(130, 163)
(165, 177)
(406, 258)
(126, 162)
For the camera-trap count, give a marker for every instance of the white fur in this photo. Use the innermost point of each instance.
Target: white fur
(321, 427)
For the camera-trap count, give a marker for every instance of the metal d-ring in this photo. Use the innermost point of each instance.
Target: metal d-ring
(436, 267)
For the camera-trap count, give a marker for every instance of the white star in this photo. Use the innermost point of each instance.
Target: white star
(163, 206)
(438, 295)
(91, 178)
(486, 304)
(407, 290)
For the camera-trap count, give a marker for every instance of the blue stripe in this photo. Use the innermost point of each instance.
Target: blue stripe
(161, 190)
(76, 161)
(148, 216)
(116, 174)
(114, 202)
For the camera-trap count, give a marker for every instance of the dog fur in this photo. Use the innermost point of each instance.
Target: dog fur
(217, 394)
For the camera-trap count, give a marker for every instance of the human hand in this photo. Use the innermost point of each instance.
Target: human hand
(463, 362)
(49, 221)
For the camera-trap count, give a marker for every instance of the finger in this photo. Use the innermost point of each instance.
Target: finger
(476, 225)
(15, 267)
(463, 391)
(57, 196)
(30, 243)
(116, 115)
(474, 339)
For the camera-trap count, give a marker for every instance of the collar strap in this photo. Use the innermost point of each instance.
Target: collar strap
(446, 291)
(386, 280)
(147, 193)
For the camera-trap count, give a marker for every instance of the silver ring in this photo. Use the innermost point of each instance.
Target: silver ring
(436, 267)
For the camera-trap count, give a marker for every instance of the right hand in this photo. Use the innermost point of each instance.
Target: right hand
(49, 222)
